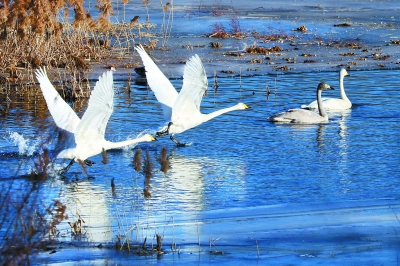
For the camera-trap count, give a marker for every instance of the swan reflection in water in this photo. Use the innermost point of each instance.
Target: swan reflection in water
(343, 145)
(191, 181)
(187, 188)
(88, 202)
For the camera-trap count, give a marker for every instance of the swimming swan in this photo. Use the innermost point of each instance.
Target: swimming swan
(305, 116)
(182, 110)
(88, 131)
(334, 103)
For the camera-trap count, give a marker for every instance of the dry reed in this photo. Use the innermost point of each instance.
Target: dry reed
(164, 161)
(148, 174)
(137, 160)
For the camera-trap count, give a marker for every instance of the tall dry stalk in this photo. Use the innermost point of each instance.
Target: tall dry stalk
(137, 160)
(148, 174)
(164, 161)
(166, 26)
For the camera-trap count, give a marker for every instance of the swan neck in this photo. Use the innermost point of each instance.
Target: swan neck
(341, 86)
(320, 105)
(212, 115)
(108, 145)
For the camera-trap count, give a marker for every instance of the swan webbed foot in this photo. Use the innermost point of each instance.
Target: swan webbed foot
(164, 132)
(88, 162)
(63, 171)
(177, 142)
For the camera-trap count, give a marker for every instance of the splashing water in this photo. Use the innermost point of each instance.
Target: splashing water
(26, 146)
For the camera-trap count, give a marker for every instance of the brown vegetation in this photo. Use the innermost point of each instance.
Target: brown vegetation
(27, 227)
(255, 49)
(302, 28)
(34, 34)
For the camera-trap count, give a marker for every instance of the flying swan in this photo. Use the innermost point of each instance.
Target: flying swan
(305, 116)
(334, 103)
(181, 111)
(89, 131)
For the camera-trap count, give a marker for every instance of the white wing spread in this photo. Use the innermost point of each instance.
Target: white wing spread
(63, 115)
(100, 107)
(165, 93)
(195, 84)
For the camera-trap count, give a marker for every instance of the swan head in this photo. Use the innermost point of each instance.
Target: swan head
(343, 72)
(242, 106)
(148, 138)
(324, 86)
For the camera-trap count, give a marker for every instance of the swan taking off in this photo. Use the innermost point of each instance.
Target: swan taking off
(182, 110)
(88, 131)
(305, 116)
(334, 103)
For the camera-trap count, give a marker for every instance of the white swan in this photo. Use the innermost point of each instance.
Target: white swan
(182, 110)
(88, 131)
(334, 103)
(305, 116)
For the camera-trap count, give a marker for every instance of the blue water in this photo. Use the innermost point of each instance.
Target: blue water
(241, 159)
(236, 161)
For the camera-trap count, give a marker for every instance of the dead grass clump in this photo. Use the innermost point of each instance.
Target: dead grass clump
(283, 68)
(381, 57)
(301, 28)
(353, 45)
(255, 49)
(346, 54)
(219, 32)
(216, 45)
(255, 61)
(33, 34)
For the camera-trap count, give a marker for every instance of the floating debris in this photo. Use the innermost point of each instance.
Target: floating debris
(254, 49)
(228, 71)
(255, 61)
(302, 28)
(284, 68)
(234, 54)
(342, 25)
(353, 45)
(216, 45)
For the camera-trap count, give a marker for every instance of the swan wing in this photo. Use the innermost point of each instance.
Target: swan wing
(92, 127)
(63, 115)
(298, 116)
(195, 85)
(330, 104)
(165, 93)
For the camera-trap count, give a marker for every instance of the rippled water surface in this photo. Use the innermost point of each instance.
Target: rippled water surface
(235, 162)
